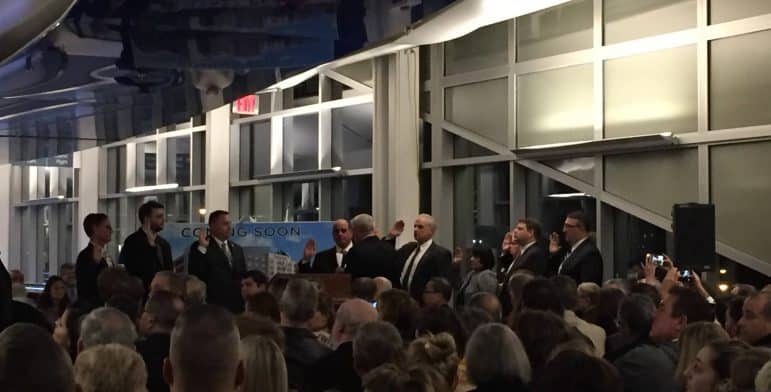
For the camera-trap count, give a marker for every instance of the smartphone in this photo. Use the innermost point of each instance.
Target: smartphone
(374, 304)
(658, 260)
(686, 276)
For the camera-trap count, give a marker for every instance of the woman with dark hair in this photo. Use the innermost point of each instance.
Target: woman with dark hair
(53, 301)
(67, 327)
(480, 278)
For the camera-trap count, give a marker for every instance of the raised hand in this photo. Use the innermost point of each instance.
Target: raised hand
(649, 269)
(310, 249)
(203, 240)
(397, 229)
(506, 244)
(554, 243)
(457, 255)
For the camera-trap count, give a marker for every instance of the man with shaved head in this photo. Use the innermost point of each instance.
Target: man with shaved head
(330, 260)
(422, 259)
(350, 316)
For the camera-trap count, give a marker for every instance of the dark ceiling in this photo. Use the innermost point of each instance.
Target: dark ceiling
(106, 70)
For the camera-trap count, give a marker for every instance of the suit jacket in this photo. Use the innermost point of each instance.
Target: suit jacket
(223, 280)
(302, 351)
(436, 262)
(325, 262)
(6, 293)
(372, 257)
(533, 259)
(142, 260)
(86, 272)
(340, 364)
(153, 350)
(583, 265)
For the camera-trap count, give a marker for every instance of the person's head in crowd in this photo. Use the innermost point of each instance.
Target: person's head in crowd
(576, 341)
(438, 291)
(376, 343)
(98, 229)
(743, 289)
(541, 294)
(576, 227)
(110, 367)
(481, 259)
(439, 352)
(540, 332)
(169, 281)
(733, 313)
(67, 273)
(362, 226)
(260, 326)
(567, 290)
(324, 317)
(617, 283)
(647, 290)
(746, 367)
(607, 311)
(763, 378)
(636, 315)
(494, 352)
(151, 216)
(382, 284)
(364, 288)
(116, 280)
(54, 295)
(390, 377)
(265, 305)
(692, 339)
(30, 360)
(160, 313)
(682, 306)
(489, 303)
(106, 325)
(711, 368)
(277, 285)
(252, 283)
(351, 315)
(473, 318)
(588, 295)
(437, 319)
(424, 228)
(755, 324)
(298, 303)
(131, 307)
(341, 233)
(67, 327)
(264, 366)
(575, 371)
(526, 231)
(397, 307)
(204, 353)
(195, 291)
(516, 286)
(220, 225)
(16, 276)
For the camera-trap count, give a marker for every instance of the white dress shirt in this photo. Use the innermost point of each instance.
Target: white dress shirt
(418, 253)
(340, 252)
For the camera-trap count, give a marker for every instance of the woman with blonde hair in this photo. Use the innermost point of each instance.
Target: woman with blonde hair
(264, 366)
(436, 351)
(110, 368)
(693, 338)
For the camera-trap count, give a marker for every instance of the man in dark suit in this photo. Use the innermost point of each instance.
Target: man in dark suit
(155, 325)
(219, 263)
(423, 259)
(529, 257)
(582, 261)
(370, 256)
(145, 252)
(330, 260)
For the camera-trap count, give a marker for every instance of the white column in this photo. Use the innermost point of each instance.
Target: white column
(217, 158)
(88, 189)
(5, 212)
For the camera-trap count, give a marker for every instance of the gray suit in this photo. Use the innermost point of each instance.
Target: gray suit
(476, 282)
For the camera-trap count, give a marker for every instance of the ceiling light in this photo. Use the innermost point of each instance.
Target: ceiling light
(723, 271)
(723, 287)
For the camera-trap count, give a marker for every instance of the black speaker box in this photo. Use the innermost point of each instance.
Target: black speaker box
(693, 226)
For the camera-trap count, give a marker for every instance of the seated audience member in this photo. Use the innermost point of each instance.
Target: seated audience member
(155, 324)
(568, 295)
(506, 367)
(607, 311)
(763, 379)
(480, 278)
(252, 283)
(277, 285)
(264, 366)
(712, 366)
(733, 313)
(110, 367)
(376, 343)
(67, 328)
(298, 306)
(261, 326)
(540, 333)
(116, 281)
(437, 352)
(618, 284)
(169, 281)
(67, 273)
(30, 360)
(437, 319)
(588, 300)
(323, 319)
(635, 318)
(204, 353)
(746, 367)
(489, 303)
(351, 315)
(574, 371)
(513, 293)
(195, 291)
(390, 377)
(106, 325)
(382, 284)
(692, 339)
(755, 324)
(53, 301)
(131, 307)
(364, 288)
(473, 318)
(437, 292)
(397, 307)
(264, 305)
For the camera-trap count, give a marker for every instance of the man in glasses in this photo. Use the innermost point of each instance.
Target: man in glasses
(581, 260)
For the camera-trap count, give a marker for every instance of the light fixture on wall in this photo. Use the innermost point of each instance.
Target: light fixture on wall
(605, 146)
(150, 188)
(567, 195)
(329, 172)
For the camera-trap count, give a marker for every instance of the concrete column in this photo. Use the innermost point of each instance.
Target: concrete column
(5, 212)
(88, 189)
(217, 158)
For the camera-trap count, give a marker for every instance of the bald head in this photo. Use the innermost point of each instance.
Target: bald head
(341, 233)
(352, 314)
(424, 228)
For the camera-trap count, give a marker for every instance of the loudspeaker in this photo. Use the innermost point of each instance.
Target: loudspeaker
(693, 226)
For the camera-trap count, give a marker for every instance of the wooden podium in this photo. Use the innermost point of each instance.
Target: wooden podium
(337, 286)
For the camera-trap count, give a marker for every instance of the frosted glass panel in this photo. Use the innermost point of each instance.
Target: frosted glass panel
(651, 93)
(483, 48)
(741, 189)
(626, 20)
(480, 107)
(360, 72)
(726, 10)
(655, 180)
(580, 168)
(561, 29)
(555, 106)
(740, 84)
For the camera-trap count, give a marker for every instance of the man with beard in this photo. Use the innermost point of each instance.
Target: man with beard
(144, 252)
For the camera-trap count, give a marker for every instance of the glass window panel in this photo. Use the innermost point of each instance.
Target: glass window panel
(146, 173)
(462, 148)
(352, 136)
(301, 143)
(549, 201)
(425, 191)
(300, 201)
(560, 29)
(626, 20)
(480, 107)
(484, 48)
(580, 168)
(555, 106)
(425, 63)
(254, 144)
(740, 84)
(116, 169)
(741, 188)
(651, 93)
(425, 142)
(360, 72)
(726, 10)
(199, 158)
(305, 93)
(336, 90)
(179, 160)
(654, 180)
(633, 238)
(425, 102)
(254, 204)
(351, 196)
(481, 204)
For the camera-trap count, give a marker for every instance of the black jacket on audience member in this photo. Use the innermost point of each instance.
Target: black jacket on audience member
(153, 350)
(648, 367)
(371, 257)
(301, 352)
(583, 265)
(436, 262)
(143, 260)
(86, 272)
(223, 280)
(340, 364)
(325, 262)
(502, 385)
(6, 295)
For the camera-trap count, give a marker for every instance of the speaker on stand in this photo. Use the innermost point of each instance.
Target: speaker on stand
(693, 227)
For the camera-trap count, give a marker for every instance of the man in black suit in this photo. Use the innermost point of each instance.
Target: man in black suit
(423, 259)
(330, 260)
(529, 257)
(582, 261)
(219, 263)
(155, 325)
(370, 256)
(145, 252)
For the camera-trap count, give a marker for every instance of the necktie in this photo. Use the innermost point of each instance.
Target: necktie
(408, 269)
(567, 255)
(226, 250)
